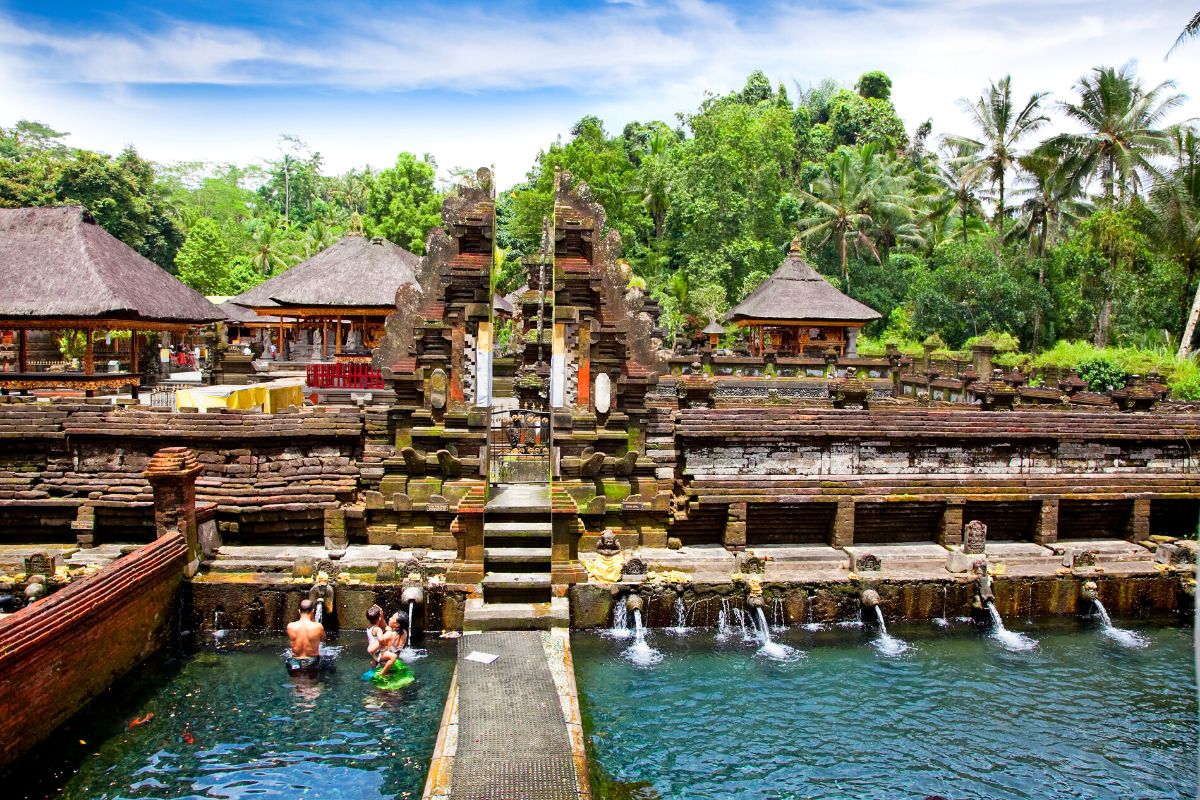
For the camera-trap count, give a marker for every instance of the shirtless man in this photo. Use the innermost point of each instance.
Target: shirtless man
(306, 635)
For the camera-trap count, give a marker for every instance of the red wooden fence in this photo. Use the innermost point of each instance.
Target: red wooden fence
(344, 376)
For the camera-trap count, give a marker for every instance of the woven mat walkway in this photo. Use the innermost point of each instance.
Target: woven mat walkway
(512, 741)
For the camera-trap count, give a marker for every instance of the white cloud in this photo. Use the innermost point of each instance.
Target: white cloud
(622, 60)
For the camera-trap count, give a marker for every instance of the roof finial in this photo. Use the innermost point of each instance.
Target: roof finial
(796, 248)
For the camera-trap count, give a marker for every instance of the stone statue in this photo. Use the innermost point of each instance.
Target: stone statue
(974, 538)
(608, 544)
(608, 564)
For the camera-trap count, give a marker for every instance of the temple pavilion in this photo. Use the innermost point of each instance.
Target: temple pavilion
(61, 272)
(333, 305)
(797, 312)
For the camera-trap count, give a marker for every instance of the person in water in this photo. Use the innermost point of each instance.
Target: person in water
(393, 641)
(305, 635)
(374, 633)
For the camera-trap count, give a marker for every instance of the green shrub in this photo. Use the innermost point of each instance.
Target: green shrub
(1101, 374)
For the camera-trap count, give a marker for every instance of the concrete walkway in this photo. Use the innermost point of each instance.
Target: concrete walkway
(511, 729)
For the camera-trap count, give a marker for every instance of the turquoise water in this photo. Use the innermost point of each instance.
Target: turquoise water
(229, 723)
(955, 715)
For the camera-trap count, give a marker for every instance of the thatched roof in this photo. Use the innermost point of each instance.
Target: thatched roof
(57, 263)
(356, 272)
(501, 304)
(796, 291)
(714, 327)
(240, 315)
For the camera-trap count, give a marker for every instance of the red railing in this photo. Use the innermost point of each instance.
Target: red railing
(344, 376)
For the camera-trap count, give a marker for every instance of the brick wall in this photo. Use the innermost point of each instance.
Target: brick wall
(64, 650)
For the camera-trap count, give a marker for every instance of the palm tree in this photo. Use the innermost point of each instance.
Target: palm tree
(268, 256)
(960, 186)
(996, 151)
(1190, 31)
(1121, 121)
(858, 195)
(1175, 200)
(654, 179)
(1052, 199)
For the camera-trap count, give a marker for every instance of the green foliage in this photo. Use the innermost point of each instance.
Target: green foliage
(402, 204)
(874, 85)
(854, 120)
(1101, 374)
(204, 260)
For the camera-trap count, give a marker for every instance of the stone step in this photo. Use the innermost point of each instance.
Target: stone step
(480, 616)
(517, 528)
(517, 555)
(516, 580)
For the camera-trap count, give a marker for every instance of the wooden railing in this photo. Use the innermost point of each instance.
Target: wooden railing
(343, 376)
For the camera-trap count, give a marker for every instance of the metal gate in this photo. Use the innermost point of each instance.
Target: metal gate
(519, 446)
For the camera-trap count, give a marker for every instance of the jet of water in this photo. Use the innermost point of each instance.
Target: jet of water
(768, 648)
(620, 626)
(885, 643)
(1017, 642)
(640, 652)
(1122, 636)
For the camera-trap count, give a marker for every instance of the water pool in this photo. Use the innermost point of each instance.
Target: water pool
(956, 715)
(229, 723)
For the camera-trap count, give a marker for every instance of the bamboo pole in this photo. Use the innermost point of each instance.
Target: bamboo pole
(89, 364)
(23, 352)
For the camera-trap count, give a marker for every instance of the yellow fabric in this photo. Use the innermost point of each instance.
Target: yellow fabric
(605, 569)
(269, 397)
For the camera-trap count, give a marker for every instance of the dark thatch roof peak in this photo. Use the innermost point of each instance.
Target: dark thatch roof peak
(57, 263)
(796, 291)
(355, 272)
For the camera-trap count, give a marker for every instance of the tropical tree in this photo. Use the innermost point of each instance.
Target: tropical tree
(858, 196)
(1052, 199)
(1002, 128)
(1190, 31)
(960, 187)
(1175, 200)
(402, 204)
(1123, 128)
(269, 255)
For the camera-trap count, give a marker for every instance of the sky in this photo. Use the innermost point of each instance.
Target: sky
(492, 83)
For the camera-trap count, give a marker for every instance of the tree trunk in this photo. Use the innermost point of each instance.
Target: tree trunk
(1189, 330)
(845, 272)
(1000, 210)
(1100, 337)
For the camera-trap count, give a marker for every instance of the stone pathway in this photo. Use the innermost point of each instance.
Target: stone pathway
(511, 728)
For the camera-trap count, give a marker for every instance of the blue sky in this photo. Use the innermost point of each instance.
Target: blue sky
(494, 82)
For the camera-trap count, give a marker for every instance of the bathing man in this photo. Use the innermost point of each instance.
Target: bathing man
(306, 635)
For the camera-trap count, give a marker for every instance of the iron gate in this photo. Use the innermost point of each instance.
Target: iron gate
(519, 446)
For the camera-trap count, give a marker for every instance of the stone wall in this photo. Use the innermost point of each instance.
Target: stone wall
(270, 476)
(61, 652)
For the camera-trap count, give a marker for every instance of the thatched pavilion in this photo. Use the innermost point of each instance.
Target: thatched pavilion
(797, 312)
(343, 293)
(61, 271)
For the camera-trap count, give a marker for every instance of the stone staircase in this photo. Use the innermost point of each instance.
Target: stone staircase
(516, 585)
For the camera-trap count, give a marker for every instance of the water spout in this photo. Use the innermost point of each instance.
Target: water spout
(723, 620)
(408, 638)
(885, 643)
(1017, 642)
(1122, 636)
(319, 611)
(620, 626)
(768, 648)
(943, 621)
(810, 625)
(640, 652)
(680, 627)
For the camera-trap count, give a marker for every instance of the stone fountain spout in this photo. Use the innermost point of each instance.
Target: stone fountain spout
(983, 585)
(633, 602)
(321, 596)
(1089, 591)
(870, 598)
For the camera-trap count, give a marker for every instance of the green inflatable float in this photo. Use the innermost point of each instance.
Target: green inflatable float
(397, 678)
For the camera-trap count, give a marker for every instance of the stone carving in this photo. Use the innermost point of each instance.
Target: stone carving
(608, 544)
(974, 538)
(414, 568)
(623, 466)
(439, 385)
(591, 462)
(674, 543)
(41, 564)
(451, 466)
(414, 461)
(753, 565)
(867, 562)
(634, 566)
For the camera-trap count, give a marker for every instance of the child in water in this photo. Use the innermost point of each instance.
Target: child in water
(375, 634)
(392, 641)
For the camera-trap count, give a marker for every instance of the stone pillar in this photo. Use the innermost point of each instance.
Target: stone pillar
(952, 523)
(467, 528)
(1047, 532)
(336, 540)
(1139, 520)
(981, 359)
(84, 526)
(851, 342)
(172, 475)
(735, 527)
(843, 523)
(458, 338)
(585, 367)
